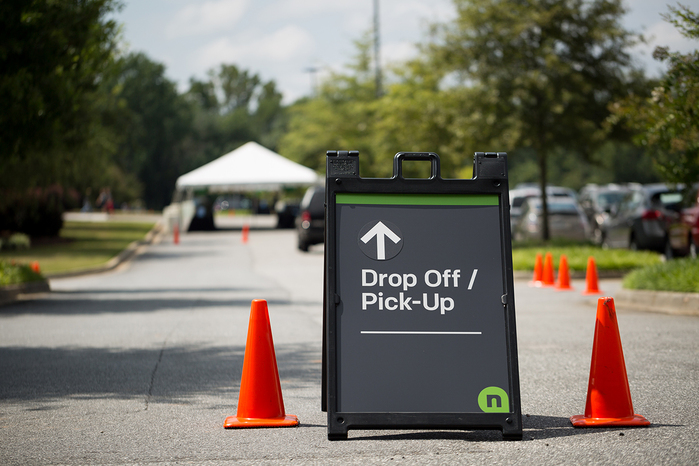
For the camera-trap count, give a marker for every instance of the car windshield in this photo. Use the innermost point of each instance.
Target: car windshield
(558, 207)
(670, 198)
(518, 201)
(666, 199)
(610, 198)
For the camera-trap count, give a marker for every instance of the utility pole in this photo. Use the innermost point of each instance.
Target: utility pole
(377, 48)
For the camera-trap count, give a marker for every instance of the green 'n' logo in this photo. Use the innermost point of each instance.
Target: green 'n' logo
(494, 400)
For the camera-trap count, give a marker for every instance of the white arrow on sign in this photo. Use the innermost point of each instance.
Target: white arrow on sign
(381, 232)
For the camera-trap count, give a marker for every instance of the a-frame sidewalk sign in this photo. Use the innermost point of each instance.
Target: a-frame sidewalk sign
(419, 316)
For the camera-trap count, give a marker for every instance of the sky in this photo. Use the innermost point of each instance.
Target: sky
(282, 40)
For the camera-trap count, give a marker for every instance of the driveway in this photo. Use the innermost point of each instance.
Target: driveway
(142, 365)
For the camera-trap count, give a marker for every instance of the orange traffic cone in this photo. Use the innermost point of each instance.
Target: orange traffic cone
(547, 280)
(538, 271)
(176, 233)
(563, 282)
(608, 395)
(246, 231)
(260, 402)
(592, 287)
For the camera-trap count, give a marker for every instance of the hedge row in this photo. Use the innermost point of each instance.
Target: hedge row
(36, 212)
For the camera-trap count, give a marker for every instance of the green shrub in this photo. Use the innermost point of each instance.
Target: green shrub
(11, 274)
(16, 242)
(680, 275)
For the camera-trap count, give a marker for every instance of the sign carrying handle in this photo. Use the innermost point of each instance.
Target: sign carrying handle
(416, 156)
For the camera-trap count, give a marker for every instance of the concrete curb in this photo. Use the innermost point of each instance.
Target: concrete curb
(667, 302)
(664, 302)
(10, 293)
(575, 274)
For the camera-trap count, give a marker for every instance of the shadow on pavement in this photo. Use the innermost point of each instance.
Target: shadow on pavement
(155, 375)
(535, 428)
(545, 427)
(154, 290)
(88, 306)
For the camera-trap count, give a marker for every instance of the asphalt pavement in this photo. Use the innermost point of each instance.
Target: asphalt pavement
(142, 365)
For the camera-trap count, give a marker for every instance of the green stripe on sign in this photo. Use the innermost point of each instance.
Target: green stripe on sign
(417, 199)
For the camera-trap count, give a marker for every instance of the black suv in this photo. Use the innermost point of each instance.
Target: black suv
(310, 224)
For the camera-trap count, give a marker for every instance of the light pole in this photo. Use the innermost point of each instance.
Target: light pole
(377, 49)
(312, 72)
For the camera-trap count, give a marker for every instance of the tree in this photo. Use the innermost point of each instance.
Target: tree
(667, 121)
(412, 114)
(53, 57)
(541, 72)
(154, 120)
(417, 115)
(340, 116)
(233, 107)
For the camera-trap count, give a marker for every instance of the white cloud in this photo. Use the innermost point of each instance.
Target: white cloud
(394, 52)
(665, 34)
(660, 34)
(305, 8)
(416, 10)
(286, 44)
(207, 17)
(347, 19)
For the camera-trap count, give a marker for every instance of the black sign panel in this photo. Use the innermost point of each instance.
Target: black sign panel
(419, 305)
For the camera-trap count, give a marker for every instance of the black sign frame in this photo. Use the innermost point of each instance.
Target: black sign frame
(342, 178)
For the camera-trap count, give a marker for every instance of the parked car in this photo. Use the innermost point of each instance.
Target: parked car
(690, 217)
(566, 219)
(286, 211)
(310, 223)
(650, 218)
(524, 191)
(600, 203)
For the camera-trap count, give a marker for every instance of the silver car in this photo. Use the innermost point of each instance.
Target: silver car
(524, 191)
(566, 220)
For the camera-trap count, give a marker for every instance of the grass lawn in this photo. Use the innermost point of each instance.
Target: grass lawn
(81, 245)
(676, 275)
(524, 257)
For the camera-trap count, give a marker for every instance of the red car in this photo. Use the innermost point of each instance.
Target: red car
(690, 218)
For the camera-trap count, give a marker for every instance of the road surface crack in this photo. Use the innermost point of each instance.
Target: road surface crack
(149, 394)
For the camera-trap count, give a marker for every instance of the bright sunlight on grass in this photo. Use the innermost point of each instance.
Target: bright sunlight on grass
(524, 257)
(81, 245)
(676, 275)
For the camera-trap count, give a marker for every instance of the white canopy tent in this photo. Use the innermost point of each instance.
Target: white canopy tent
(251, 167)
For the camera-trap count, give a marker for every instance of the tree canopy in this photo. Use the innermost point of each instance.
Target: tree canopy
(667, 121)
(534, 78)
(544, 71)
(53, 56)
